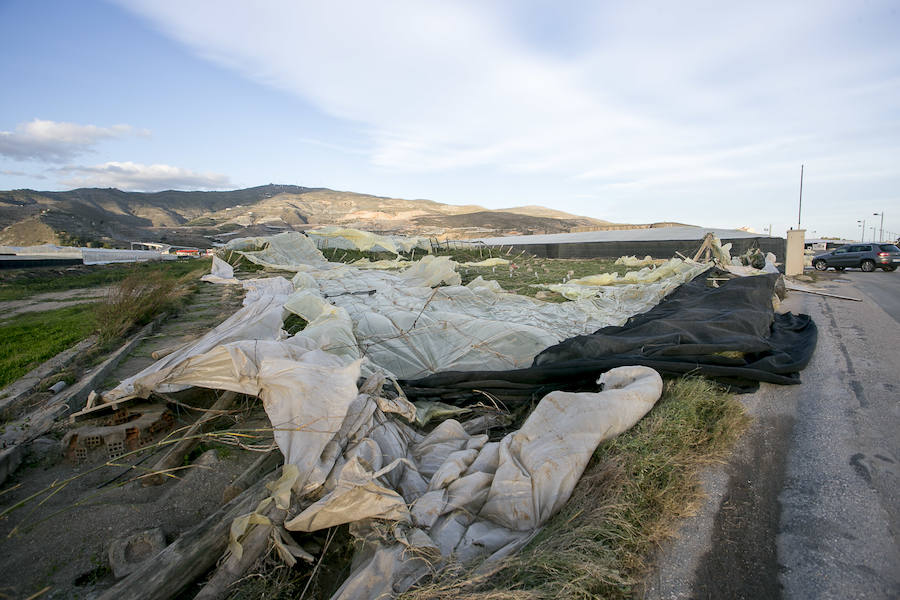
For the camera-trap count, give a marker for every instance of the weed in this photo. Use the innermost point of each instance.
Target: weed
(239, 262)
(294, 324)
(135, 301)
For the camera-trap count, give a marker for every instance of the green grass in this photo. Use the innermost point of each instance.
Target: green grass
(529, 271)
(629, 500)
(23, 283)
(28, 339)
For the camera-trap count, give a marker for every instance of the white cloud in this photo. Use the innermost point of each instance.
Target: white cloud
(649, 106)
(144, 178)
(442, 86)
(54, 141)
(21, 174)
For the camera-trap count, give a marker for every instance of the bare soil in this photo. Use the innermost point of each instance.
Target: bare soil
(58, 541)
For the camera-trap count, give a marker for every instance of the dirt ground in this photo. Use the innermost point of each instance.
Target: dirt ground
(57, 541)
(50, 301)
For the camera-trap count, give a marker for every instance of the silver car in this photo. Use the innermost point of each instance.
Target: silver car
(868, 257)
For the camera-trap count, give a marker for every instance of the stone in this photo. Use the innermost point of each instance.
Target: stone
(128, 553)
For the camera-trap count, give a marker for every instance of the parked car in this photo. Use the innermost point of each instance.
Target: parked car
(867, 257)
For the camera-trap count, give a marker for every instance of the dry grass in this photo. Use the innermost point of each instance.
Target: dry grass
(629, 500)
(136, 300)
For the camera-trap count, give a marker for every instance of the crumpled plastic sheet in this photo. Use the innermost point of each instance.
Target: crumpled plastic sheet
(365, 263)
(409, 496)
(221, 272)
(633, 261)
(488, 262)
(288, 251)
(404, 326)
(411, 499)
(346, 238)
(670, 275)
(737, 268)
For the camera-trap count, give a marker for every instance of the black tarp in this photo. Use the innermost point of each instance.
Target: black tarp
(729, 333)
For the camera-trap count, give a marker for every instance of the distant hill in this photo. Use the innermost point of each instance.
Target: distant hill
(94, 216)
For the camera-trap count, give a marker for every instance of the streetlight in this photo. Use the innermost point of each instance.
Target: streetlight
(881, 237)
(863, 230)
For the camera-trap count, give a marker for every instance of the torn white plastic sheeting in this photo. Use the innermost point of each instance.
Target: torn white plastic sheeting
(365, 263)
(459, 495)
(746, 270)
(431, 271)
(407, 329)
(221, 272)
(670, 275)
(345, 238)
(633, 261)
(260, 318)
(488, 262)
(448, 493)
(288, 251)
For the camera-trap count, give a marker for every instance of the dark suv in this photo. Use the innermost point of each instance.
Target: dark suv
(865, 256)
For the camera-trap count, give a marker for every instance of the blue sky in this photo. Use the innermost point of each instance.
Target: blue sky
(696, 112)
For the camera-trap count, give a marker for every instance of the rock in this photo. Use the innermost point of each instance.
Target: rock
(58, 387)
(44, 450)
(126, 554)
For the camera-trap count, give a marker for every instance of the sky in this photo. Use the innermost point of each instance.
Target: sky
(696, 112)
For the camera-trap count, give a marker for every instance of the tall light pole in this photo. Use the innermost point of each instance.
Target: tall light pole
(800, 207)
(881, 231)
(863, 230)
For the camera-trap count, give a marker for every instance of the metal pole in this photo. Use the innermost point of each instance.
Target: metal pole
(881, 230)
(800, 208)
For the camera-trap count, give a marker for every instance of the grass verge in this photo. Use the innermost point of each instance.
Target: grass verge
(629, 500)
(31, 338)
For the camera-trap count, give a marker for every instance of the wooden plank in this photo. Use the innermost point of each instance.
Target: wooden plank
(193, 554)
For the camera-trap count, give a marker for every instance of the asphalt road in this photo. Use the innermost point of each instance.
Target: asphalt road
(809, 504)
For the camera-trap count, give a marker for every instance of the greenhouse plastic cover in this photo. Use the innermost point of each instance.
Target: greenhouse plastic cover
(406, 495)
(345, 238)
(288, 251)
(400, 323)
(730, 333)
(410, 498)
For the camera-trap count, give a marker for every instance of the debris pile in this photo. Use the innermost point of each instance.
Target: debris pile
(337, 353)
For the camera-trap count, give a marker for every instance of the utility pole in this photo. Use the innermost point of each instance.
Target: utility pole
(881, 231)
(800, 208)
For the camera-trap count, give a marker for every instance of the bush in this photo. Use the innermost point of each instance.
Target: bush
(135, 301)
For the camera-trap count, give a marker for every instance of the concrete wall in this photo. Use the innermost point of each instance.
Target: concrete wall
(656, 249)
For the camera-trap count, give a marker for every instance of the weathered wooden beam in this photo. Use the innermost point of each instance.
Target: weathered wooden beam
(193, 554)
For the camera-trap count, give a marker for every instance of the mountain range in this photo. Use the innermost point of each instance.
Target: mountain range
(112, 217)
